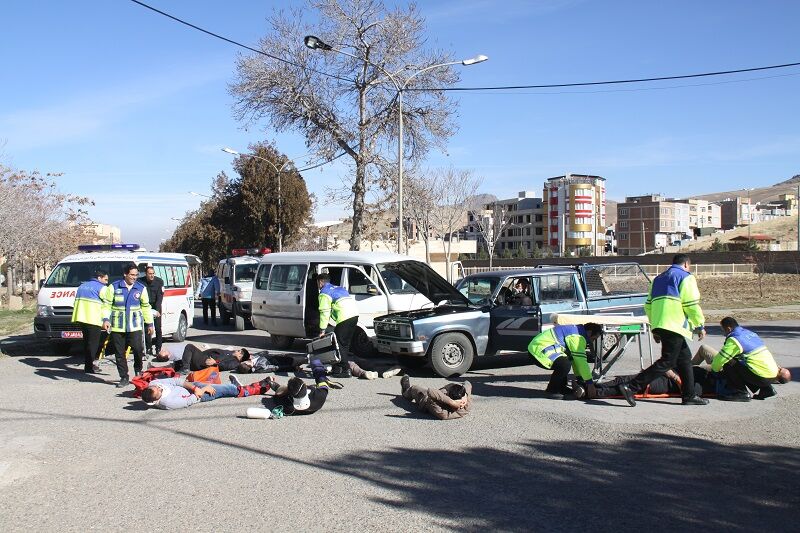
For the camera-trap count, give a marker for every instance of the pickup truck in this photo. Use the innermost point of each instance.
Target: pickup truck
(479, 317)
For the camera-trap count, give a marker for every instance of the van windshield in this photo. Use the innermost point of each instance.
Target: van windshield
(73, 274)
(394, 283)
(246, 272)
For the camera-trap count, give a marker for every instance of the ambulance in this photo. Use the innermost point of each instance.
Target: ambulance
(53, 319)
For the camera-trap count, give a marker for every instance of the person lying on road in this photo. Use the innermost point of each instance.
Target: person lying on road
(177, 393)
(451, 401)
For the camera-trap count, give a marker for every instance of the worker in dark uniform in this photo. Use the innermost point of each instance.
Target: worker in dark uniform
(155, 289)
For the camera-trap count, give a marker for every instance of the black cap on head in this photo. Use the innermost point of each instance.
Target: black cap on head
(297, 388)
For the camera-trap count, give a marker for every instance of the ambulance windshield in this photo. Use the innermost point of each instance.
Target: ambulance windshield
(73, 274)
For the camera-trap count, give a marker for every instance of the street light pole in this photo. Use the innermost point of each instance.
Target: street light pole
(315, 43)
(278, 171)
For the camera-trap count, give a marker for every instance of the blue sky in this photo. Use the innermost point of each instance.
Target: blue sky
(134, 108)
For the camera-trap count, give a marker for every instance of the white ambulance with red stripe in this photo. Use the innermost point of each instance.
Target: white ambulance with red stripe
(53, 319)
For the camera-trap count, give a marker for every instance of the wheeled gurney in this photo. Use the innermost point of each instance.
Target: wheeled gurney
(624, 330)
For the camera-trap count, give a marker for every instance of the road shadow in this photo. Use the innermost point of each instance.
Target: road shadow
(58, 369)
(227, 338)
(661, 481)
(777, 331)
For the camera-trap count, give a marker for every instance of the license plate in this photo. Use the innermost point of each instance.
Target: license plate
(71, 334)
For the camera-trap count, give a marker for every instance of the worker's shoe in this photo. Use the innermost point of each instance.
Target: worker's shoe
(554, 395)
(765, 392)
(737, 396)
(627, 393)
(124, 382)
(342, 371)
(405, 383)
(695, 400)
(578, 392)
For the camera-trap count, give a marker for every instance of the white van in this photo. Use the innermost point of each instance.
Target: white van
(56, 298)
(285, 293)
(236, 275)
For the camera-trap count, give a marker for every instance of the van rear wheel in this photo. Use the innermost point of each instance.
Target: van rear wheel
(224, 316)
(362, 345)
(281, 342)
(451, 354)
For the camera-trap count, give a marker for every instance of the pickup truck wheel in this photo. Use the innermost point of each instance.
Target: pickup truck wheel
(362, 345)
(180, 333)
(609, 340)
(451, 354)
(281, 342)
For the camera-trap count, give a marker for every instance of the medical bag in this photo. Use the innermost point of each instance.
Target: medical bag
(326, 349)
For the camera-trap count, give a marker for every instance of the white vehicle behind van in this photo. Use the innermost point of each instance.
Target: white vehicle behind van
(56, 298)
(236, 275)
(285, 294)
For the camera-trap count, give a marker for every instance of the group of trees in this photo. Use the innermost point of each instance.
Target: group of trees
(245, 211)
(344, 98)
(38, 224)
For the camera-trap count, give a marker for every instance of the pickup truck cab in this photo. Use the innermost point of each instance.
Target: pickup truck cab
(480, 316)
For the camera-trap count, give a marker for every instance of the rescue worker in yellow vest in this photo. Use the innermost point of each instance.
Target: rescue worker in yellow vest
(673, 307)
(746, 362)
(338, 308)
(560, 348)
(126, 310)
(88, 312)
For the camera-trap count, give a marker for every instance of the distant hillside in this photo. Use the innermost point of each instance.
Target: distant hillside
(758, 194)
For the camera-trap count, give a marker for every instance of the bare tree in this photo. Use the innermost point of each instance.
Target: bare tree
(346, 105)
(453, 192)
(491, 220)
(420, 205)
(39, 225)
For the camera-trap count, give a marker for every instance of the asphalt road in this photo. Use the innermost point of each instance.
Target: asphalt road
(76, 455)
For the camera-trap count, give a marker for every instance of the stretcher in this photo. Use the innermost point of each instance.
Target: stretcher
(624, 330)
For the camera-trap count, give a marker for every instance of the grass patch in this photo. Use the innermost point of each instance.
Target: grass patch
(12, 321)
(747, 291)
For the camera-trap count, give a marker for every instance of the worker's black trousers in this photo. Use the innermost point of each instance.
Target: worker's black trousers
(93, 339)
(559, 378)
(739, 377)
(159, 339)
(122, 341)
(675, 353)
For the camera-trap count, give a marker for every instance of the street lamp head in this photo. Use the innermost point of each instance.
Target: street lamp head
(315, 43)
(230, 151)
(474, 60)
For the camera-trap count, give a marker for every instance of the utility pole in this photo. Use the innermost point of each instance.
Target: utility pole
(644, 246)
(797, 206)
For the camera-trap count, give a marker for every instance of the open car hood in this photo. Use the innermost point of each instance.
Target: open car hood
(430, 284)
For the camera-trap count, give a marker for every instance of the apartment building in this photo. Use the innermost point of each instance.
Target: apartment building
(704, 217)
(650, 221)
(575, 213)
(524, 231)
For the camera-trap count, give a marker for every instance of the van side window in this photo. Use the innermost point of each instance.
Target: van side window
(287, 278)
(262, 276)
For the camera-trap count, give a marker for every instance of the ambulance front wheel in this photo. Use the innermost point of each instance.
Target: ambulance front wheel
(362, 345)
(183, 328)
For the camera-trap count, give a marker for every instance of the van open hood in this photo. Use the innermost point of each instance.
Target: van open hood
(430, 284)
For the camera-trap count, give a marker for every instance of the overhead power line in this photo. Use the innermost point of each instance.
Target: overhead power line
(236, 43)
(608, 82)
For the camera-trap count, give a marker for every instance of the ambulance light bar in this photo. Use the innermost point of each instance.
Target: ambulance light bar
(108, 247)
(238, 252)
